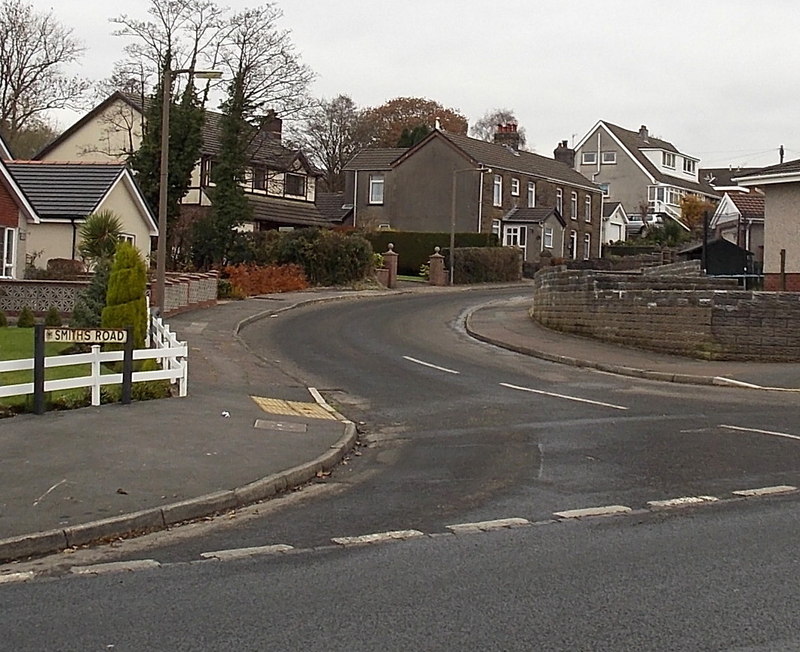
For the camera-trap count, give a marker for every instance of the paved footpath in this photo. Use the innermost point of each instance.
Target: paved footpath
(69, 478)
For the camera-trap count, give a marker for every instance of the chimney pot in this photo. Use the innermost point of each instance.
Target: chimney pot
(643, 131)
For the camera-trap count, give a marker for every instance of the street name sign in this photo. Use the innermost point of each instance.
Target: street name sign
(86, 335)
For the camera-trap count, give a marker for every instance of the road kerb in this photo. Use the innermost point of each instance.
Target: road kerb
(765, 491)
(608, 510)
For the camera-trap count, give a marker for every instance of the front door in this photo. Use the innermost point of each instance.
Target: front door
(514, 236)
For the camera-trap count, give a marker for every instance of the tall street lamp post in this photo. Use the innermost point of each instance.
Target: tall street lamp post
(483, 170)
(166, 100)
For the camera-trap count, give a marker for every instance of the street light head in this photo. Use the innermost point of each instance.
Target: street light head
(484, 169)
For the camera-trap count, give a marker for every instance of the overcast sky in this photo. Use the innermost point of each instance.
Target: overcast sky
(717, 78)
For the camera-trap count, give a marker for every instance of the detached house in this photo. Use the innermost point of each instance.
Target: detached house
(529, 201)
(280, 181)
(739, 218)
(640, 171)
(781, 187)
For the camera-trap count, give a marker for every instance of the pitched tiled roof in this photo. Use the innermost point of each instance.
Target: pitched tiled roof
(331, 205)
(609, 207)
(531, 215)
(717, 177)
(375, 158)
(64, 190)
(789, 167)
(505, 158)
(634, 142)
(750, 204)
(285, 211)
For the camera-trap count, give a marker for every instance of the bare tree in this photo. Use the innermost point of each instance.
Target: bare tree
(484, 129)
(331, 135)
(34, 47)
(261, 57)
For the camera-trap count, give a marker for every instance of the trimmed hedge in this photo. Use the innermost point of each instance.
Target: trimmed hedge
(415, 248)
(248, 280)
(487, 265)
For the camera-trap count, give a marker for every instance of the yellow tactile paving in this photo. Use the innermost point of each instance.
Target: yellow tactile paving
(292, 408)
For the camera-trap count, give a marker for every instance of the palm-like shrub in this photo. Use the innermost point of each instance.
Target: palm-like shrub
(99, 236)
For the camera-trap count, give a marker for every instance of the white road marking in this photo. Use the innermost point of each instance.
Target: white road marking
(766, 491)
(16, 577)
(761, 432)
(608, 510)
(488, 526)
(684, 501)
(379, 537)
(320, 400)
(115, 567)
(239, 553)
(432, 366)
(722, 380)
(564, 396)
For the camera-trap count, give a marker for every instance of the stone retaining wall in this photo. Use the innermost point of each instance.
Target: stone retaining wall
(676, 311)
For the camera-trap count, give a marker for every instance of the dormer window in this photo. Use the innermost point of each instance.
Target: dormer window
(668, 160)
(689, 166)
(295, 184)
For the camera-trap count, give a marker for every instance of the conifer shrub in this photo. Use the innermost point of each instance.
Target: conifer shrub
(126, 302)
(26, 318)
(52, 318)
(89, 305)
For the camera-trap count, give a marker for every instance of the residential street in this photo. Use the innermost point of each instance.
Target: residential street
(457, 431)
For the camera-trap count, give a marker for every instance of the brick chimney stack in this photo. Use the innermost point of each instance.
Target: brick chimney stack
(643, 132)
(564, 154)
(272, 124)
(507, 135)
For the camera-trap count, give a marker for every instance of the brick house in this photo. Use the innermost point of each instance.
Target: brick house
(529, 201)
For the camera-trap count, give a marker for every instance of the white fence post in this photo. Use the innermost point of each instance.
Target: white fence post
(96, 374)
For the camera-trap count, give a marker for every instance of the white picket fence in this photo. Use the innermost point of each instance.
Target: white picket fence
(172, 355)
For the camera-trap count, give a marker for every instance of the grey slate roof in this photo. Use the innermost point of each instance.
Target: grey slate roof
(375, 158)
(503, 158)
(331, 206)
(634, 143)
(532, 215)
(609, 207)
(717, 177)
(788, 167)
(285, 211)
(64, 190)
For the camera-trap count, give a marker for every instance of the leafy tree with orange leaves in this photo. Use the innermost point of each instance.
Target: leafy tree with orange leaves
(693, 209)
(386, 123)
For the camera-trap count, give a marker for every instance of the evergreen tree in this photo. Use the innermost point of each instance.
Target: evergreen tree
(90, 303)
(185, 143)
(215, 235)
(126, 303)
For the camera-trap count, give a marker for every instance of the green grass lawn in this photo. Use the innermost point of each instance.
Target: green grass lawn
(16, 344)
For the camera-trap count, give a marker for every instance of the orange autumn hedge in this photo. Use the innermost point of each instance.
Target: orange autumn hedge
(247, 280)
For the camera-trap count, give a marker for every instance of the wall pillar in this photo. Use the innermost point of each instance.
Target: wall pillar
(436, 275)
(390, 260)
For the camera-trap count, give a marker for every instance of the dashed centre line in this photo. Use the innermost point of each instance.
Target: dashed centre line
(760, 432)
(430, 365)
(564, 396)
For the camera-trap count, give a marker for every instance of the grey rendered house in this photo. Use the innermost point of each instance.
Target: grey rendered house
(529, 201)
(639, 170)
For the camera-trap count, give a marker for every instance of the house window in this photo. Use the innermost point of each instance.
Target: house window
(573, 206)
(259, 178)
(496, 229)
(573, 244)
(587, 208)
(531, 194)
(128, 237)
(206, 172)
(548, 237)
(587, 246)
(589, 158)
(560, 201)
(8, 240)
(668, 160)
(515, 236)
(498, 190)
(609, 158)
(376, 182)
(294, 184)
(515, 187)
(605, 188)
(689, 166)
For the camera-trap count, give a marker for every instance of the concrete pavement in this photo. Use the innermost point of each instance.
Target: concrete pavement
(71, 478)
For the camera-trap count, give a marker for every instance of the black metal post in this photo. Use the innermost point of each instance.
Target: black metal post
(127, 367)
(38, 369)
(705, 243)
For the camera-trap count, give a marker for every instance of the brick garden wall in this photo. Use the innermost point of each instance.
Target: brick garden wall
(672, 309)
